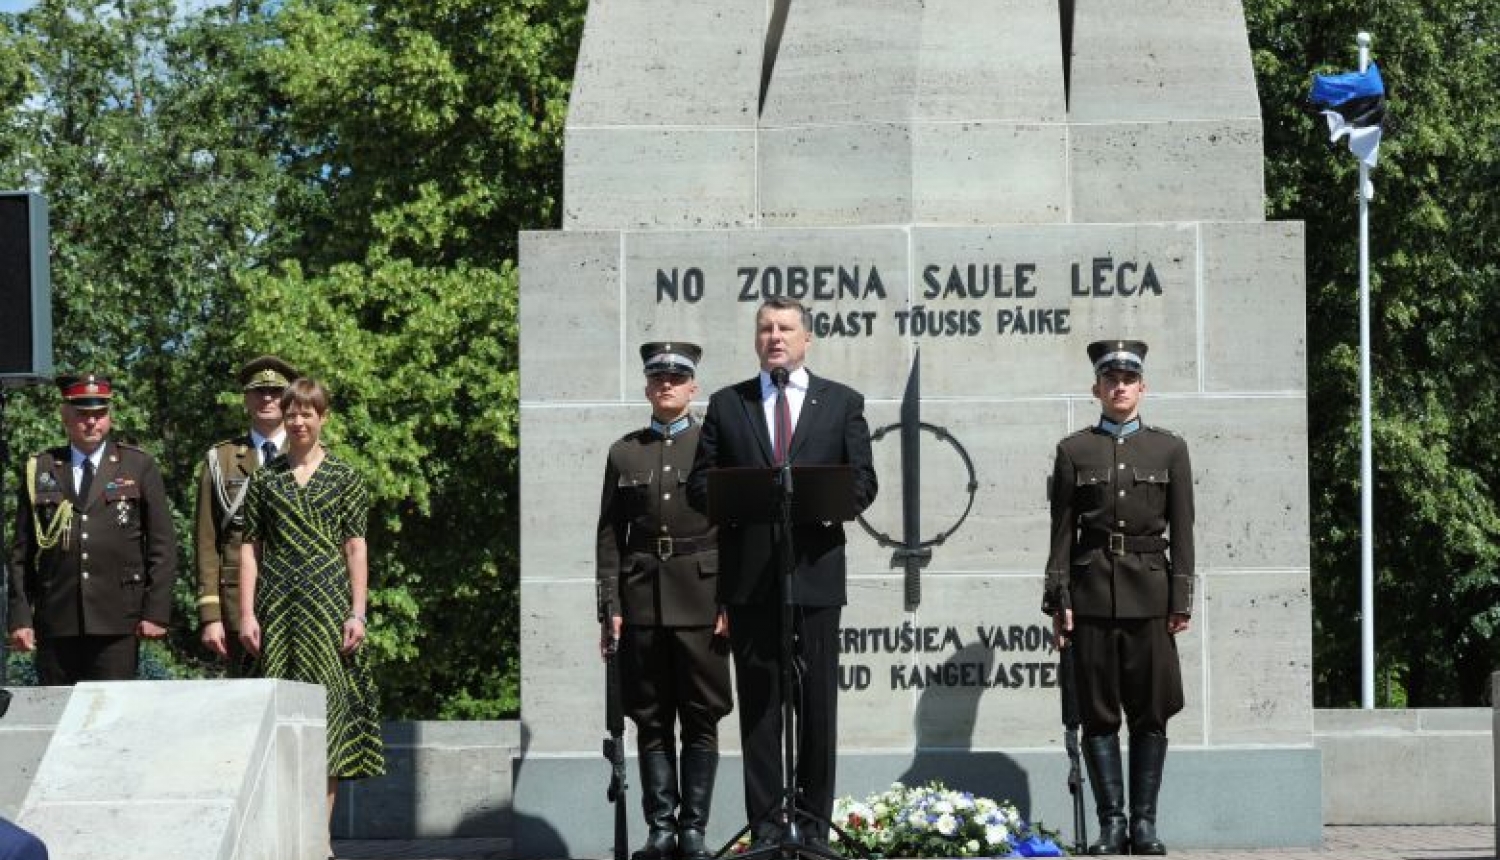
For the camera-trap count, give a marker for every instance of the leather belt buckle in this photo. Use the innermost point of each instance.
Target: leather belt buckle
(664, 548)
(1117, 543)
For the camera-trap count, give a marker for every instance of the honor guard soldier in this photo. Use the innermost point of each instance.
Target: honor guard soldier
(94, 556)
(658, 571)
(222, 482)
(1119, 588)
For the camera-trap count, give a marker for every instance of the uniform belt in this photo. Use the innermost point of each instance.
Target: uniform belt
(664, 547)
(1123, 544)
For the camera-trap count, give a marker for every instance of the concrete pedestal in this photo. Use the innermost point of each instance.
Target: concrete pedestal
(179, 770)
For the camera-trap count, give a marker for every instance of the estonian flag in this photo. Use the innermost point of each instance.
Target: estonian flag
(1354, 105)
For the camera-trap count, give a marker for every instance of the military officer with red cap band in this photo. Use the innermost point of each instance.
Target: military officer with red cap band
(94, 554)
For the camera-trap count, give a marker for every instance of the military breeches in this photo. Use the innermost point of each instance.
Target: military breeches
(1126, 665)
(673, 675)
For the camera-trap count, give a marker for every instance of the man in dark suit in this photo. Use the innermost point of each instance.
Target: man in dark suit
(1117, 594)
(94, 554)
(221, 492)
(657, 570)
(804, 420)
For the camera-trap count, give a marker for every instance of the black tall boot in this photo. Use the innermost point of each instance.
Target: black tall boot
(1102, 755)
(1148, 753)
(659, 801)
(699, 767)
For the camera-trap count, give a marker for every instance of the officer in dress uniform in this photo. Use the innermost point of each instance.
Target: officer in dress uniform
(94, 555)
(1119, 588)
(658, 569)
(222, 482)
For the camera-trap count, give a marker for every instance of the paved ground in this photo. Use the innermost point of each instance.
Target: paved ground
(1339, 843)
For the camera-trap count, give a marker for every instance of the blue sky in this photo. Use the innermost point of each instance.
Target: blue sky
(15, 5)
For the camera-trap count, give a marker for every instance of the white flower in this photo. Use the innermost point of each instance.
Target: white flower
(947, 824)
(917, 819)
(942, 807)
(995, 835)
(971, 847)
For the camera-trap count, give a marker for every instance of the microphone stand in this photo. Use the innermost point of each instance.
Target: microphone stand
(792, 842)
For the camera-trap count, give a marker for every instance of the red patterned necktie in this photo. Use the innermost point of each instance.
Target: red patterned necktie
(783, 425)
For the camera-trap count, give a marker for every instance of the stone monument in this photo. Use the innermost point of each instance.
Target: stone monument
(993, 184)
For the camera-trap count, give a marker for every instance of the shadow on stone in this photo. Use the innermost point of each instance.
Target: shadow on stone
(944, 728)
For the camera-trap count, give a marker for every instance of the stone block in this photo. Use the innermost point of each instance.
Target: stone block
(845, 61)
(1148, 60)
(1250, 477)
(124, 719)
(1019, 283)
(559, 525)
(1181, 170)
(1258, 628)
(835, 175)
(1000, 60)
(129, 830)
(24, 734)
(226, 785)
(1255, 303)
(677, 63)
(658, 178)
(562, 678)
(989, 172)
(1445, 778)
(443, 780)
(570, 316)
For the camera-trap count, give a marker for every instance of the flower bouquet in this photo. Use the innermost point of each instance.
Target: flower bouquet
(935, 821)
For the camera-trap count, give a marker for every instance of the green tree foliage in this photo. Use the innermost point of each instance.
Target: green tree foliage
(1434, 325)
(423, 137)
(338, 182)
(141, 131)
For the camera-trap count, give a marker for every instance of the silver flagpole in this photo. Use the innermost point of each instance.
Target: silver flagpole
(1366, 476)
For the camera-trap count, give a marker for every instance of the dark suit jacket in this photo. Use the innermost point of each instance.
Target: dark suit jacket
(121, 558)
(831, 429)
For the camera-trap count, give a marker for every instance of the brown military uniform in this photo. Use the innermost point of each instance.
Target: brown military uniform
(1122, 556)
(217, 548)
(658, 562)
(110, 567)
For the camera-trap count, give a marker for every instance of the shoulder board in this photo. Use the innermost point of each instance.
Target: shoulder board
(235, 442)
(45, 459)
(1082, 431)
(1164, 431)
(126, 446)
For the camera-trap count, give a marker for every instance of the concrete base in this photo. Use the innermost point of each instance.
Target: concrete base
(1211, 798)
(443, 780)
(1403, 766)
(174, 770)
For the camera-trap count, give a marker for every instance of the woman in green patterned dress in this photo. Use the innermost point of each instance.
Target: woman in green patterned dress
(304, 582)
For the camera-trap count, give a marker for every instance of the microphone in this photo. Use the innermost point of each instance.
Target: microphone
(780, 377)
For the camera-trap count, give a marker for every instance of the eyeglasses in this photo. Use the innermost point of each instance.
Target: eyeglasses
(668, 379)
